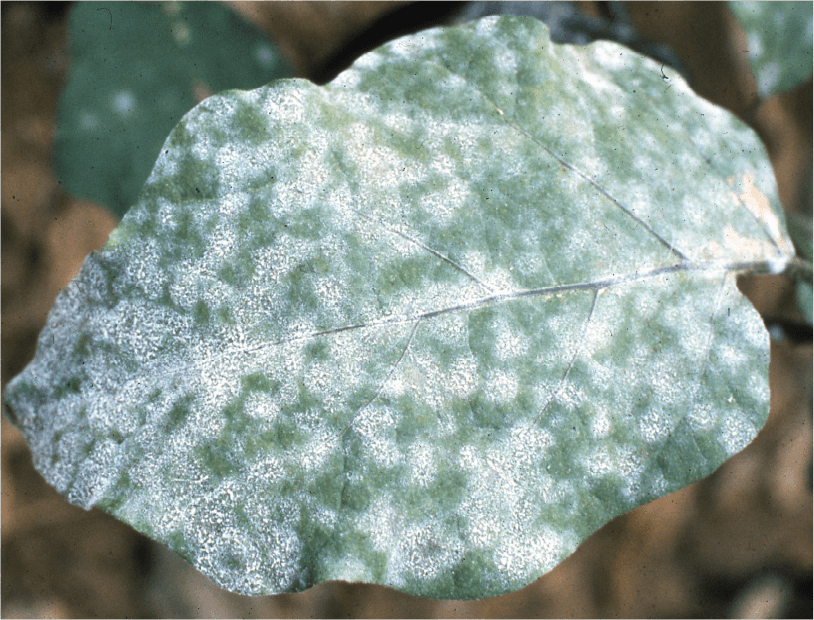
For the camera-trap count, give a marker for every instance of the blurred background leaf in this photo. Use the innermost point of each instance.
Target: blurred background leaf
(137, 68)
(780, 42)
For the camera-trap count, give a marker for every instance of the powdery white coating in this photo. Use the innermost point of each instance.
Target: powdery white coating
(402, 327)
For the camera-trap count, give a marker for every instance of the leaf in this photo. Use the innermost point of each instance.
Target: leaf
(137, 68)
(780, 42)
(800, 231)
(428, 326)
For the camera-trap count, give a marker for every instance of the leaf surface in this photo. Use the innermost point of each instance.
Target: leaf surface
(428, 326)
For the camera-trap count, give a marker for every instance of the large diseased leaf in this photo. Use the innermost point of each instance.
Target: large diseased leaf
(429, 326)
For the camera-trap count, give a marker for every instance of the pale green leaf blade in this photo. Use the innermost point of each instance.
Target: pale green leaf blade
(429, 326)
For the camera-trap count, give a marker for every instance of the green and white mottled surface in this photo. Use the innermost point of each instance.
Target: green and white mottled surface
(429, 326)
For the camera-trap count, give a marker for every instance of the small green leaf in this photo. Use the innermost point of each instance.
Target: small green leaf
(428, 326)
(136, 69)
(780, 42)
(799, 226)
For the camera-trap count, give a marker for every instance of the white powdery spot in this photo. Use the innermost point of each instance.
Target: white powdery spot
(124, 102)
(399, 122)
(731, 355)
(658, 485)
(702, 417)
(542, 551)
(223, 243)
(164, 167)
(611, 55)
(350, 78)
(285, 106)
(569, 395)
(428, 379)
(375, 425)
(553, 492)
(380, 167)
(423, 463)
(261, 406)
(751, 326)
(267, 471)
(232, 168)
(166, 214)
(501, 280)
(349, 569)
(654, 424)
(282, 549)
(629, 464)
(410, 48)
(509, 344)
(380, 521)
(331, 293)
(601, 425)
(453, 82)
(483, 530)
(528, 443)
(564, 328)
(316, 452)
(737, 432)
(445, 204)
(501, 386)
(599, 462)
(365, 64)
(462, 380)
(505, 61)
(758, 383)
(422, 551)
(99, 471)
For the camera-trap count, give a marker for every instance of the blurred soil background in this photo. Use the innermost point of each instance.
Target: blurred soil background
(737, 544)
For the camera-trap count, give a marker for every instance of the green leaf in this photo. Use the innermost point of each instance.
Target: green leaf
(780, 42)
(800, 230)
(428, 326)
(136, 69)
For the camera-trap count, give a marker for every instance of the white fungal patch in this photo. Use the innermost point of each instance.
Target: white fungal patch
(737, 433)
(317, 451)
(544, 548)
(528, 443)
(375, 425)
(598, 462)
(612, 56)
(232, 166)
(285, 106)
(654, 424)
(509, 344)
(124, 102)
(379, 521)
(601, 424)
(445, 204)
(261, 406)
(423, 464)
(501, 386)
(462, 380)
